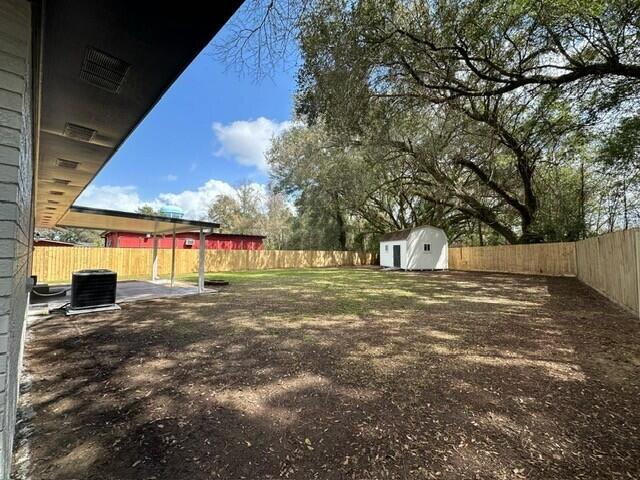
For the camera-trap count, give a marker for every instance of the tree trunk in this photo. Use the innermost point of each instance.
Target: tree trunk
(342, 233)
(624, 203)
(583, 220)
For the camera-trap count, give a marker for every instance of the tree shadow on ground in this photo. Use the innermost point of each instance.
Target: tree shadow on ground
(342, 373)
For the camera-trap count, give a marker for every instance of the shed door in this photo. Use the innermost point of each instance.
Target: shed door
(396, 256)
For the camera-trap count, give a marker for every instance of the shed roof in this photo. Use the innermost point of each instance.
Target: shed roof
(397, 235)
(54, 242)
(403, 234)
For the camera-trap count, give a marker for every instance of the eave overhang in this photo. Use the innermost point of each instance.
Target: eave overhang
(105, 64)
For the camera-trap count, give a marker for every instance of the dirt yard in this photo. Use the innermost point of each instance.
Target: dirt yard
(341, 374)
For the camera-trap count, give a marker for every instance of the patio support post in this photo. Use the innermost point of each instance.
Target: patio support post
(154, 266)
(173, 256)
(201, 262)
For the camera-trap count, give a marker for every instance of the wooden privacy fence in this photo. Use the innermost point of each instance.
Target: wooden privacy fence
(609, 263)
(54, 264)
(541, 259)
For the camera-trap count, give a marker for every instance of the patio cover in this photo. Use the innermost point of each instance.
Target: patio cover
(100, 219)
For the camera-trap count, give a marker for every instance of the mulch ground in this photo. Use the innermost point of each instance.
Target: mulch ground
(341, 374)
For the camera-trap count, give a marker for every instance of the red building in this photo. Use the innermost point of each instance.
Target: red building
(186, 240)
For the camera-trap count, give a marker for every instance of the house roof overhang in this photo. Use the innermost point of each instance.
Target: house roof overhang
(113, 220)
(102, 66)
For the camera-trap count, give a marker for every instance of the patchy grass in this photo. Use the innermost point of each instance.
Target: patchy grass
(342, 373)
(352, 290)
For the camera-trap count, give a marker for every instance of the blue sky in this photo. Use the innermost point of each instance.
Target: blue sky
(204, 137)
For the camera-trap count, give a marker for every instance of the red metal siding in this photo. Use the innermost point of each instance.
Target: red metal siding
(212, 241)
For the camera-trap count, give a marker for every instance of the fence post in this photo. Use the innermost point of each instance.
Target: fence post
(636, 241)
(173, 255)
(201, 249)
(154, 265)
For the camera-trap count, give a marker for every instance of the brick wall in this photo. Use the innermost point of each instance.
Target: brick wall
(16, 171)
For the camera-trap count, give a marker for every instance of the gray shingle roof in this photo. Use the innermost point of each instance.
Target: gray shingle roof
(401, 234)
(398, 235)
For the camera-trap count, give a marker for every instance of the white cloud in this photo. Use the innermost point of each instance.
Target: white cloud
(110, 197)
(170, 178)
(195, 203)
(247, 141)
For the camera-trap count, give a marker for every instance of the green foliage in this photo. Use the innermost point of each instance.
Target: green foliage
(560, 217)
(78, 236)
(500, 121)
(146, 210)
(462, 97)
(254, 212)
(277, 222)
(241, 213)
(622, 147)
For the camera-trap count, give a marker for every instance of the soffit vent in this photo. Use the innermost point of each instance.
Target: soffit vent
(70, 164)
(53, 202)
(56, 192)
(61, 181)
(50, 208)
(103, 70)
(78, 132)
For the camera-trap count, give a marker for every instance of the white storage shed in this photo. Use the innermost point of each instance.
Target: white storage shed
(418, 248)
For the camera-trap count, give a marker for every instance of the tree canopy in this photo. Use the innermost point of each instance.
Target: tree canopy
(253, 211)
(499, 121)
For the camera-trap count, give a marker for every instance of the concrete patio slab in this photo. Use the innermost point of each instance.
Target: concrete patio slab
(127, 291)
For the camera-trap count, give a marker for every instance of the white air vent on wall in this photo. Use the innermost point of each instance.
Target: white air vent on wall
(78, 132)
(103, 70)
